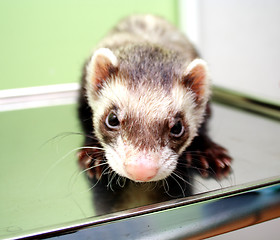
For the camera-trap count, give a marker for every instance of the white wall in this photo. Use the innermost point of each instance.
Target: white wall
(241, 42)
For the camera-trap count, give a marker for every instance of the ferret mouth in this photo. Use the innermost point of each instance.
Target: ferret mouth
(141, 165)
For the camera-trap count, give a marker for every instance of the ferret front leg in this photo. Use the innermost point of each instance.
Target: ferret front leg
(91, 161)
(208, 157)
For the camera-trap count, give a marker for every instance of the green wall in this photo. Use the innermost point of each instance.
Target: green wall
(46, 41)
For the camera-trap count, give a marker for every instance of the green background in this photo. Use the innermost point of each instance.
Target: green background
(47, 41)
(42, 43)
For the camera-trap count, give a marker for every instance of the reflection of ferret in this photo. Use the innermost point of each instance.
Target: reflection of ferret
(143, 101)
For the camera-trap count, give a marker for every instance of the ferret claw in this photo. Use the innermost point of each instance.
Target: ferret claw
(212, 160)
(90, 163)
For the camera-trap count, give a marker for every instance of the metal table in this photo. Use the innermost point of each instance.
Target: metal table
(45, 195)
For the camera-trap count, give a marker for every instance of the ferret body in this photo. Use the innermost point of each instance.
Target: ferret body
(143, 101)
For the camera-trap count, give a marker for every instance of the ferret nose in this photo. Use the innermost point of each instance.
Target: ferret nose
(141, 172)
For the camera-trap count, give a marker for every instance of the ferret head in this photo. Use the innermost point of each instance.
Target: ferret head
(145, 124)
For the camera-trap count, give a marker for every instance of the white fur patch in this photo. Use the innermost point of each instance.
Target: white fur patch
(185, 99)
(117, 156)
(186, 103)
(195, 63)
(150, 103)
(91, 67)
(206, 84)
(106, 52)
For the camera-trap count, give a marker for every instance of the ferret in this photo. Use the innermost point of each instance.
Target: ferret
(144, 105)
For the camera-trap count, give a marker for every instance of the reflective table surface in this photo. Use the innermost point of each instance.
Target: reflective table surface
(45, 194)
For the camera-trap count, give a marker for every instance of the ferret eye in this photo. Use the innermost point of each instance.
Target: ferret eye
(112, 120)
(177, 130)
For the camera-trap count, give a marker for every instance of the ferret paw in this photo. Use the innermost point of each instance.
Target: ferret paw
(90, 163)
(213, 160)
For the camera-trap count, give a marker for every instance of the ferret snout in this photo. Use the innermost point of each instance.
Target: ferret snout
(141, 168)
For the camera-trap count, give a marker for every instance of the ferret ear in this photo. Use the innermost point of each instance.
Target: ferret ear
(102, 65)
(196, 78)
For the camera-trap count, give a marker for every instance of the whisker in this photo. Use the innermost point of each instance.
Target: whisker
(121, 179)
(55, 164)
(79, 173)
(165, 183)
(113, 175)
(98, 165)
(99, 179)
(176, 173)
(63, 135)
(72, 181)
(177, 183)
(196, 180)
(89, 147)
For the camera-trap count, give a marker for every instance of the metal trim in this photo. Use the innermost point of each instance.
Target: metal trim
(42, 96)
